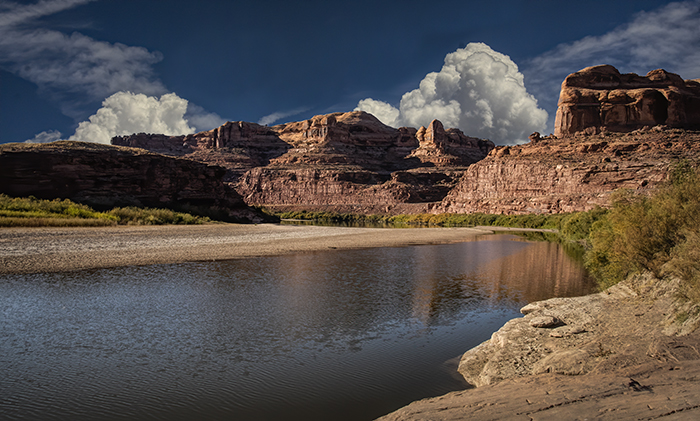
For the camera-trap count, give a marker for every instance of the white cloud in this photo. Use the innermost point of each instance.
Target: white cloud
(202, 119)
(385, 112)
(665, 38)
(271, 118)
(46, 137)
(478, 90)
(74, 69)
(126, 113)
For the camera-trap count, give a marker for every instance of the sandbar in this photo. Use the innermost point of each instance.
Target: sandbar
(36, 250)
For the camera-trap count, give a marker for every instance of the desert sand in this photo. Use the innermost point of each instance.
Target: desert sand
(32, 250)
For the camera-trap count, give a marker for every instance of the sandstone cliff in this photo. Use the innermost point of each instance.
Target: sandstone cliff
(344, 162)
(600, 96)
(551, 175)
(108, 176)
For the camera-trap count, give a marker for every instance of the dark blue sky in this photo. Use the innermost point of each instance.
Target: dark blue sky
(277, 61)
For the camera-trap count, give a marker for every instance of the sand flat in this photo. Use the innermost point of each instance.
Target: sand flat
(32, 250)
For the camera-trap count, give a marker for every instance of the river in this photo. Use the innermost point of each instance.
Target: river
(343, 335)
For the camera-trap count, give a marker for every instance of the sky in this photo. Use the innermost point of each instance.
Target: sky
(93, 69)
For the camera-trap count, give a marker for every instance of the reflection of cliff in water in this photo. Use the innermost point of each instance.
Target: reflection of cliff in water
(539, 271)
(336, 297)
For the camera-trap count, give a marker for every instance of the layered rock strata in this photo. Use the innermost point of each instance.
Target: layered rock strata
(107, 176)
(343, 162)
(576, 173)
(613, 131)
(600, 96)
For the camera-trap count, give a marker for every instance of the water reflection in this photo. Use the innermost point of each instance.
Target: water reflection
(331, 335)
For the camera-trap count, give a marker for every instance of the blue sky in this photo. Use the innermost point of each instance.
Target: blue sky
(89, 70)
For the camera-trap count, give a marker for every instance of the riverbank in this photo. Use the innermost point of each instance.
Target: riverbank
(630, 352)
(32, 250)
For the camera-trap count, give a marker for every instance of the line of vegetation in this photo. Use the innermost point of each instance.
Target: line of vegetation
(33, 212)
(658, 233)
(575, 225)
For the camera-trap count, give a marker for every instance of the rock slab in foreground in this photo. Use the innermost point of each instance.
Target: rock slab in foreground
(619, 354)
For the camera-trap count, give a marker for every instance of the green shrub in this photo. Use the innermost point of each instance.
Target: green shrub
(657, 233)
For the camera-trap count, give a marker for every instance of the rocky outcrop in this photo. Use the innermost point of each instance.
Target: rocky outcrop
(107, 176)
(600, 96)
(235, 146)
(619, 354)
(343, 162)
(448, 147)
(576, 173)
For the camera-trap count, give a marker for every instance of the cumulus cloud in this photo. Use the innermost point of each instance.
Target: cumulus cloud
(478, 90)
(125, 113)
(202, 119)
(385, 112)
(77, 71)
(666, 38)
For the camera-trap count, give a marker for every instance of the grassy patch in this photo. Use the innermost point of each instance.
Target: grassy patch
(33, 212)
(575, 225)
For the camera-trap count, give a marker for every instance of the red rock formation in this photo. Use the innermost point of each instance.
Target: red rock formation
(550, 175)
(600, 97)
(107, 176)
(349, 162)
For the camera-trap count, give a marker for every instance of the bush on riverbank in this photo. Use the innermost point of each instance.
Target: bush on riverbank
(659, 233)
(33, 212)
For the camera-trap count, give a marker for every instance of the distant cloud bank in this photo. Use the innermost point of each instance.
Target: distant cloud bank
(125, 113)
(478, 90)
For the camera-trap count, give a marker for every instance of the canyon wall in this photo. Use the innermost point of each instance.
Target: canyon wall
(551, 175)
(613, 131)
(341, 162)
(107, 176)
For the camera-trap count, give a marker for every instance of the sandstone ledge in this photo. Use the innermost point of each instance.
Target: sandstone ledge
(619, 354)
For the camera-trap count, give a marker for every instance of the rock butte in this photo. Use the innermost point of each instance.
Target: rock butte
(600, 97)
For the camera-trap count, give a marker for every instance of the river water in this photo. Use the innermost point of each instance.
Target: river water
(343, 335)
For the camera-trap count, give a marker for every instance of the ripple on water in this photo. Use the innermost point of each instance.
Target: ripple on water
(347, 334)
